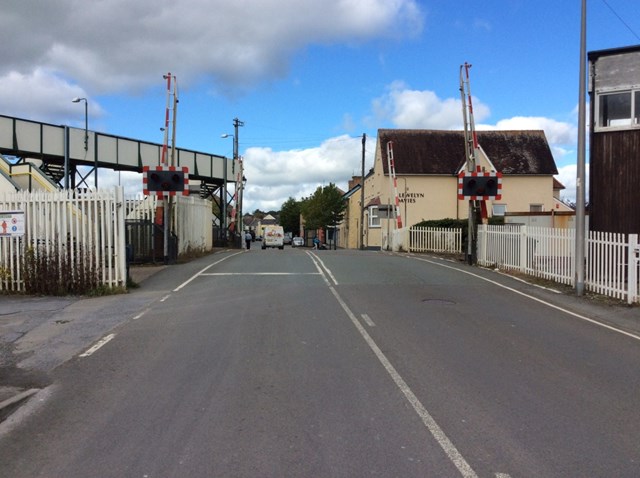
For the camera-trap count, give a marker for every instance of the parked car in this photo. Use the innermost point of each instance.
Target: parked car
(287, 238)
(297, 242)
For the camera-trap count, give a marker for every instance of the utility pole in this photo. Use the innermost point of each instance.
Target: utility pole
(580, 186)
(364, 140)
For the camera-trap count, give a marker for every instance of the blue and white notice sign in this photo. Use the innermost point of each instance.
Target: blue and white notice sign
(11, 223)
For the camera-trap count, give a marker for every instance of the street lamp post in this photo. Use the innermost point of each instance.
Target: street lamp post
(86, 136)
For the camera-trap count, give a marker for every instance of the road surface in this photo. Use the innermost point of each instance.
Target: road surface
(304, 363)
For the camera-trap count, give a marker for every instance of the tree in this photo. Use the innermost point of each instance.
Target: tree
(325, 207)
(290, 216)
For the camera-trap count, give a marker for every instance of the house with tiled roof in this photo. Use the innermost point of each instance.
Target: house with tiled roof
(427, 163)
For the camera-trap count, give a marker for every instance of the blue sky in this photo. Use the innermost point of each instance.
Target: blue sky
(307, 77)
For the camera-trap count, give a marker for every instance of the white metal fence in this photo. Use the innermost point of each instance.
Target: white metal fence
(193, 218)
(84, 229)
(612, 260)
(435, 239)
(87, 231)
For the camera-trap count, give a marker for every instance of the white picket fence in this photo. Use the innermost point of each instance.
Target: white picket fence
(612, 260)
(84, 229)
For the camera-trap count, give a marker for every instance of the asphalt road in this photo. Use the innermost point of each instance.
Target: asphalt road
(304, 363)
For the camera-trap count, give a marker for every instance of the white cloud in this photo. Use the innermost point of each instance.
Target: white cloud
(567, 175)
(274, 176)
(118, 45)
(42, 94)
(421, 109)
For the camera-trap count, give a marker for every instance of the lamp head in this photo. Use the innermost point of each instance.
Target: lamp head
(225, 135)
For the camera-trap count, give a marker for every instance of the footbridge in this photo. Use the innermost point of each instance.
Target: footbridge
(56, 151)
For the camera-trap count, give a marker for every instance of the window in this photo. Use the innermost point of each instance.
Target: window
(498, 209)
(618, 109)
(374, 219)
(536, 207)
(615, 109)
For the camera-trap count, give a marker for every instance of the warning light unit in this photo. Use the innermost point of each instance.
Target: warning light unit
(165, 180)
(480, 185)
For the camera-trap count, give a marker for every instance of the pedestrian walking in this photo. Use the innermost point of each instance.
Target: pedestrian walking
(247, 239)
(316, 242)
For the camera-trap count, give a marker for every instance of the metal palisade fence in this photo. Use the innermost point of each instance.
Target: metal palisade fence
(84, 231)
(612, 260)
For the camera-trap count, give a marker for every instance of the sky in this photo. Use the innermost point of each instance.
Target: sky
(307, 77)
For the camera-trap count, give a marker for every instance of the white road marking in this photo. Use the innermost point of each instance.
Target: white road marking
(320, 271)
(368, 320)
(449, 448)
(141, 313)
(100, 343)
(184, 284)
(315, 256)
(261, 273)
(165, 297)
(548, 304)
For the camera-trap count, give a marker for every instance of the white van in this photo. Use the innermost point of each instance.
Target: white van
(273, 237)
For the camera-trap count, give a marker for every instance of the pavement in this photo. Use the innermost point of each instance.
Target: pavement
(39, 333)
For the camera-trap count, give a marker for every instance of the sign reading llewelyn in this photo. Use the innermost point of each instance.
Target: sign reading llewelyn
(11, 223)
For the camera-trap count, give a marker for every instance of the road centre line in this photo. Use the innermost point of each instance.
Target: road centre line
(544, 302)
(429, 422)
(100, 343)
(320, 271)
(184, 284)
(315, 256)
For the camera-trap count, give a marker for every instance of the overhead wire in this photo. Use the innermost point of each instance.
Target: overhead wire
(621, 19)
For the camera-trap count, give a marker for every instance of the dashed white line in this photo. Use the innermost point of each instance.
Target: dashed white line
(141, 313)
(100, 343)
(368, 320)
